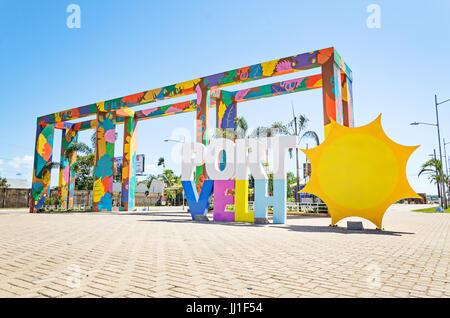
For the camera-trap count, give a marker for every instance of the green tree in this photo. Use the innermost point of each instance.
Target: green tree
(262, 131)
(239, 132)
(172, 184)
(174, 190)
(49, 166)
(168, 177)
(433, 169)
(84, 165)
(271, 131)
(162, 162)
(3, 183)
(84, 169)
(297, 127)
(73, 149)
(291, 181)
(241, 127)
(149, 180)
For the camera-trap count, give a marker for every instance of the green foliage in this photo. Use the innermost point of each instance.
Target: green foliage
(431, 210)
(84, 167)
(51, 165)
(172, 183)
(56, 201)
(77, 147)
(241, 127)
(291, 180)
(161, 162)
(3, 183)
(149, 180)
(239, 132)
(433, 168)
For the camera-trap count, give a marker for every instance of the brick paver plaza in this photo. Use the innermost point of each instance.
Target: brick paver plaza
(165, 254)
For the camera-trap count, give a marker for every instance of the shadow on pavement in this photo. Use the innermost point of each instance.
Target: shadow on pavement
(185, 217)
(296, 228)
(340, 230)
(181, 214)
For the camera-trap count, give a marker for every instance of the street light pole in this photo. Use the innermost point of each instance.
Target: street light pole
(297, 199)
(446, 159)
(440, 151)
(435, 160)
(182, 142)
(437, 183)
(444, 196)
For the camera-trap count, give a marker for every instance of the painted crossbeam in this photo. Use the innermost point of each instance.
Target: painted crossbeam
(273, 89)
(254, 72)
(280, 88)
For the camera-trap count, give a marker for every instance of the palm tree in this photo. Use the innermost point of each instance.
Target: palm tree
(295, 127)
(241, 127)
(161, 162)
(239, 132)
(49, 166)
(175, 189)
(433, 168)
(271, 131)
(149, 180)
(169, 179)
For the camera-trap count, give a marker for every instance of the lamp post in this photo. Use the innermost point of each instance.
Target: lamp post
(446, 159)
(441, 199)
(437, 183)
(178, 141)
(440, 151)
(436, 103)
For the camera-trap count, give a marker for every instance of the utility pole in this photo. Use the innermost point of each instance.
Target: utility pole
(446, 163)
(437, 183)
(296, 157)
(444, 203)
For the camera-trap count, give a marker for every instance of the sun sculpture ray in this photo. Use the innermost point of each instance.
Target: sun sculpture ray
(359, 172)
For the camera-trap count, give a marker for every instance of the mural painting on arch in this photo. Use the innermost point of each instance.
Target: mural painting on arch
(335, 78)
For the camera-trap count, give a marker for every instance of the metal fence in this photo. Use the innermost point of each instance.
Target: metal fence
(303, 207)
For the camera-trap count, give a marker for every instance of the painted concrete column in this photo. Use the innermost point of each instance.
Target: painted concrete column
(41, 175)
(66, 173)
(347, 101)
(104, 161)
(129, 164)
(202, 129)
(226, 110)
(332, 96)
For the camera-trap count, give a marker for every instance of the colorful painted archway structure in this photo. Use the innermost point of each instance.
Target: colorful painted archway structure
(335, 79)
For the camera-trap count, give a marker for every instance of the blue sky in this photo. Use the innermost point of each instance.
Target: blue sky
(125, 47)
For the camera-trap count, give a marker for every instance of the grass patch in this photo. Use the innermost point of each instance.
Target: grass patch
(431, 210)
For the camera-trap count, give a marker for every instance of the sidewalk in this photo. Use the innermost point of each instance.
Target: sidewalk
(162, 253)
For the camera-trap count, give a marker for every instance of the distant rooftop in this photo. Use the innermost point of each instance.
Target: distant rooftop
(17, 183)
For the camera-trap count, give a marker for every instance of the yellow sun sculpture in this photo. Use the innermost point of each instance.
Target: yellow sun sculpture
(359, 172)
